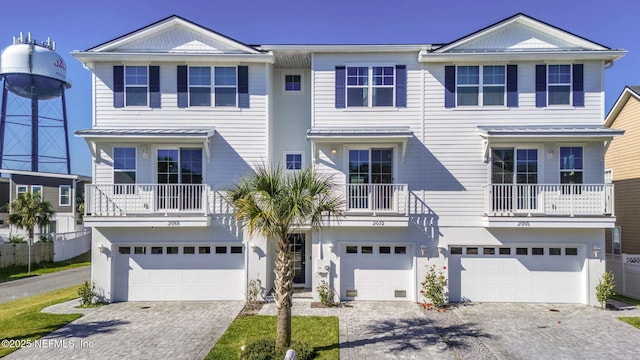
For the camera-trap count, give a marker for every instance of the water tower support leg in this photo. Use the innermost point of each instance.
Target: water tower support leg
(34, 129)
(66, 134)
(3, 121)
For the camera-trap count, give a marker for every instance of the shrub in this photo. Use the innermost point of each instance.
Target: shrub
(325, 293)
(253, 290)
(17, 240)
(87, 293)
(433, 287)
(604, 289)
(264, 349)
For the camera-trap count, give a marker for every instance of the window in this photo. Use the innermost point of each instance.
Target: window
(172, 249)
(293, 161)
(179, 166)
(140, 250)
(522, 251)
(225, 86)
(472, 251)
(559, 84)
(199, 86)
(456, 250)
(555, 251)
(505, 251)
(124, 250)
(37, 190)
(385, 249)
(156, 250)
(571, 251)
(292, 83)
(21, 189)
(571, 165)
(204, 250)
(236, 249)
(370, 86)
(136, 85)
(221, 249)
(65, 195)
(367, 250)
(537, 251)
(488, 251)
(616, 240)
(124, 169)
(189, 250)
(352, 249)
(400, 250)
(481, 85)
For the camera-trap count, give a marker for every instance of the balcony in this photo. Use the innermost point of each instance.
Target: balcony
(549, 205)
(383, 205)
(163, 205)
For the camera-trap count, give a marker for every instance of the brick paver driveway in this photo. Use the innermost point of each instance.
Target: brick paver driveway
(543, 331)
(139, 330)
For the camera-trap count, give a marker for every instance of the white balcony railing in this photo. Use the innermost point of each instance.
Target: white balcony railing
(549, 199)
(142, 199)
(376, 198)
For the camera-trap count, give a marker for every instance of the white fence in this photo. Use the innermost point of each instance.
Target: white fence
(627, 273)
(69, 245)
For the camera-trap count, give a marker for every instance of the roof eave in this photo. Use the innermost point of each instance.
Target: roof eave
(626, 94)
(606, 55)
(89, 57)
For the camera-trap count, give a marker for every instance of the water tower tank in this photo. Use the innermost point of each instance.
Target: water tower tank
(33, 70)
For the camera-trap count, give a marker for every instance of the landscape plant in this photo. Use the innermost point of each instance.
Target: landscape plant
(87, 293)
(605, 288)
(325, 293)
(253, 290)
(434, 287)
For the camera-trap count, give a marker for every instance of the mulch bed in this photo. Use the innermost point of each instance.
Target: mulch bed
(251, 308)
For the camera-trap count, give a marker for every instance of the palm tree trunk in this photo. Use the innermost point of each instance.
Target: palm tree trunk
(283, 293)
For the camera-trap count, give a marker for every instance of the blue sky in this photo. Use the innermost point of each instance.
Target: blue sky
(81, 24)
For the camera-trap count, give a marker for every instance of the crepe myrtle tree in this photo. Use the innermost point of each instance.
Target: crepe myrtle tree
(276, 204)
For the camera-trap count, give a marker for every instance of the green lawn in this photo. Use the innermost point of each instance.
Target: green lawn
(22, 319)
(633, 321)
(321, 332)
(626, 299)
(17, 272)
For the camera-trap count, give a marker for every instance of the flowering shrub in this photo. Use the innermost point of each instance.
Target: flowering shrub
(434, 287)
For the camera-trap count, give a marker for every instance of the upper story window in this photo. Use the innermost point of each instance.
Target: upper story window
(21, 189)
(124, 168)
(293, 83)
(293, 161)
(371, 86)
(64, 195)
(199, 86)
(571, 165)
(484, 85)
(561, 84)
(225, 86)
(36, 190)
(136, 84)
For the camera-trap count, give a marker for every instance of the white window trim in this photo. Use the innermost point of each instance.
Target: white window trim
(481, 87)
(284, 83)
(214, 86)
(617, 229)
(515, 148)
(570, 84)
(60, 195)
(284, 158)
(18, 192)
(369, 86)
(154, 172)
(584, 172)
(395, 160)
(135, 85)
(210, 86)
(113, 167)
(33, 190)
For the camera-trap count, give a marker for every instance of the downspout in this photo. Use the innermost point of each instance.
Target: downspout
(246, 270)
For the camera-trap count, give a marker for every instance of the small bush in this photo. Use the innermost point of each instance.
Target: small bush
(87, 293)
(253, 290)
(604, 289)
(433, 287)
(17, 240)
(265, 349)
(325, 293)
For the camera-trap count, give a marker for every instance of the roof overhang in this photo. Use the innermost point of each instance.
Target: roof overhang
(523, 55)
(87, 57)
(40, 174)
(389, 135)
(593, 133)
(626, 94)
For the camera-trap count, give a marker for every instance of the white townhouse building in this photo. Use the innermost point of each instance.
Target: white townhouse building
(483, 156)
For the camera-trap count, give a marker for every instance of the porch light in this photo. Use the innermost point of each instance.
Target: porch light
(145, 152)
(442, 249)
(334, 152)
(596, 250)
(330, 246)
(254, 247)
(102, 249)
(423, 249)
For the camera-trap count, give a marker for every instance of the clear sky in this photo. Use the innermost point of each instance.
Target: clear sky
(81, 24)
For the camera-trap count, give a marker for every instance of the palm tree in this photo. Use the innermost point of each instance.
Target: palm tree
(275, 205)
(29, 211)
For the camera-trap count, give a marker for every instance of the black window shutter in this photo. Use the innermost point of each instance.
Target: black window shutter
(183, 95)
(154, 86)
(541, 85)
(341, 78)
(578, 85)
(401, 86)
(243, 86)
(118, 86)
(449, 86)
(512, 85)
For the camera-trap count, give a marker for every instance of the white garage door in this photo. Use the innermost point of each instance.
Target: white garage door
(549, 274)
(159, 273)
(376, 272)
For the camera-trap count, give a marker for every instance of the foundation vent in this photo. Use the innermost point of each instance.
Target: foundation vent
(352, 293)
(401, 293)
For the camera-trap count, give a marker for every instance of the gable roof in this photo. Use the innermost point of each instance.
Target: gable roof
(627, 93)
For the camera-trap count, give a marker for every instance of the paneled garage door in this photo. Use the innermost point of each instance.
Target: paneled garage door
(376, 272)
(156, 273)
(549, 274)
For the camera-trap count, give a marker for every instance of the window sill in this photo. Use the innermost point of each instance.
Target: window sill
(560, 107)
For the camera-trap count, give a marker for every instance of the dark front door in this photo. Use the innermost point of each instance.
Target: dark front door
(296, 242)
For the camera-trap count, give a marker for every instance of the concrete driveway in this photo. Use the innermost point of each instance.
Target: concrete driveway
(544, 331)
(138, 330)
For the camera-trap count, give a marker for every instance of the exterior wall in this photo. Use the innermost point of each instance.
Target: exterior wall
(50, 190)
(624, 158)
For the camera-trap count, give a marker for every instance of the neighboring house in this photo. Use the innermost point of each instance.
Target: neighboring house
(622, 161)
(61, 190)
(483, 155)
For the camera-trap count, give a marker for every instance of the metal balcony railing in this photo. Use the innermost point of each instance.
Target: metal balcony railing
(376, 198)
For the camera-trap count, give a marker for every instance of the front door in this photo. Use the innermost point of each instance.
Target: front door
(297, 246)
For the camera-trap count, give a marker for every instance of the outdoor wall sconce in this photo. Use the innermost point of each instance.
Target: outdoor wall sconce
(423, 249)
(145, 152)
(254, 247)
(596, 250)
(102, 249)
(330, 246)
(550, 153)
(334, 152)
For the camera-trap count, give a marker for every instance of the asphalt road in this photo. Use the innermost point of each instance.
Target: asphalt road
(17, 289)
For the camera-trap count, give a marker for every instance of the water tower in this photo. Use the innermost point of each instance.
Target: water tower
(33, 117)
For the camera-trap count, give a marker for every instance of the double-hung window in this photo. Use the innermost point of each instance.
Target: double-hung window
(21, 189)
(383, 85)
(136, 85)
(571, 165)
(559, 85)
(226, 86)
(36, 190)
(370, 86)
(481, 85)
(64, 195)
(124, 169)
(358, 86)
(199, 86)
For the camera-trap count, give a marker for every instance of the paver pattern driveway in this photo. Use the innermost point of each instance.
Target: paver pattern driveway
(139, 330)
(545, 331)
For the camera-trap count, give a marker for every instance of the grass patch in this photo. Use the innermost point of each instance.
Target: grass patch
(22, 319)
(321, 332)
(633, 321)
(18, 272)
(626, 299)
